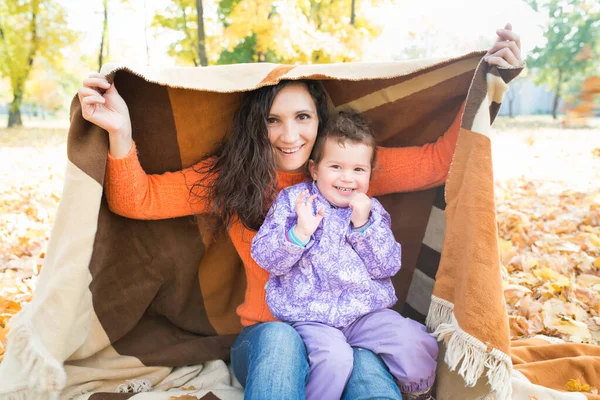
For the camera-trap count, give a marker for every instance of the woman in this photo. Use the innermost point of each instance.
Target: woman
(272, 136)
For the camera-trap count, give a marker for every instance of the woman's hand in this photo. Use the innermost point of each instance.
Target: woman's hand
(307, 221)
(102, 105)
(506, 52)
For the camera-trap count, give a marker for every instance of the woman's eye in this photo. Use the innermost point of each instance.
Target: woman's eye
(271, 121)
(303, 116)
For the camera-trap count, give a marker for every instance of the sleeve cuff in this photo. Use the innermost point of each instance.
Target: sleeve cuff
(292, 238)
(132, 152)
(363, 228)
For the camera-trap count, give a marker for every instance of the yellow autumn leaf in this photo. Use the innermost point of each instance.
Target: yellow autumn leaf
(546, 274)
(575, 385)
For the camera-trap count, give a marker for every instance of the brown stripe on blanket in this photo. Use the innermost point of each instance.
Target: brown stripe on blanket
(152, 123)
(157, 341)
(440, 201)
(508, 74)
(413, 124)
(409, 312)
(342, 95)
(135, 266)
(87, 151)
(477, 94)
(428, 261)
(494, 110)
(411, 212)
(202, 120)
(222, 279)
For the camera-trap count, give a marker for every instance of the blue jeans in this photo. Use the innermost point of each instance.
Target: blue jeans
(270, 361)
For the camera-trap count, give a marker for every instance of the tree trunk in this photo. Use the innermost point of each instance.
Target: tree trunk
(14, 111)
(201, 34)
(557, 96)
(104, 35)
(352, 12)
(510, 99)
(187, 32)
(146, 33)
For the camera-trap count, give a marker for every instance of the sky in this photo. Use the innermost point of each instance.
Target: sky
(451, 26)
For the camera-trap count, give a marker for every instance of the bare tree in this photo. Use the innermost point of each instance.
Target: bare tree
(201, 34)
(104, 38)
(18, 82)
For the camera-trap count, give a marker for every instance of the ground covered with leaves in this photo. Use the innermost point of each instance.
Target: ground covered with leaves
(548, 205)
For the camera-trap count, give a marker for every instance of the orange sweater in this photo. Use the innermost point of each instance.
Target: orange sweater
(134, 194)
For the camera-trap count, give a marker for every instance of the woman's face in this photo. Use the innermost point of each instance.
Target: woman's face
(292, 124)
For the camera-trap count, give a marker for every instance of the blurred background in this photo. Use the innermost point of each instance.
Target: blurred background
(545, 143)
(48, 46)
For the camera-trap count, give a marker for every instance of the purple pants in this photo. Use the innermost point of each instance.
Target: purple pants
(403, 344)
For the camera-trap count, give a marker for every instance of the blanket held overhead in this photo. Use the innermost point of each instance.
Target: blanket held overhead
(146, 309)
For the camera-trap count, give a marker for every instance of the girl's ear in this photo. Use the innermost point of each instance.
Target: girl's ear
(312, 168)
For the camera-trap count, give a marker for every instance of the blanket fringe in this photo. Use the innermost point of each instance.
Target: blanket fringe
(468, 354)
(440, 312)
(45, 373)
(27, 394)
(134, 386)
(19, 395)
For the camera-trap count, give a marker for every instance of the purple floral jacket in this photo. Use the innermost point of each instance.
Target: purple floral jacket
(340, 275)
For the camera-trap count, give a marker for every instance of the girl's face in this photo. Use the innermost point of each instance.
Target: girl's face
(292, 124)
(343, 170)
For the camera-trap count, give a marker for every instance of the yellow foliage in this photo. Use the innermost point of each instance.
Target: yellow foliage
(308, 31)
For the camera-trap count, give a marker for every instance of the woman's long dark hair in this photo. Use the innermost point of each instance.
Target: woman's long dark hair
(241, 179)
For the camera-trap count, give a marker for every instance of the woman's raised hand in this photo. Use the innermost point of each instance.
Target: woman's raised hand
(506, 51)
(102, 105)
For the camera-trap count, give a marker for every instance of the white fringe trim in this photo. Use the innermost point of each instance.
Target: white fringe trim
(468, 352)
(440, 312)
(18, 395)
(28, 394)
(82, 396)
(46, 374)
(134, 386)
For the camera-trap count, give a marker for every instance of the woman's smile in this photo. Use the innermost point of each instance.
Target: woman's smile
(293, 124)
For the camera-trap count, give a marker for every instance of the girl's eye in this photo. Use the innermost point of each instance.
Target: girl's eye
(359, 169)
(335, 167)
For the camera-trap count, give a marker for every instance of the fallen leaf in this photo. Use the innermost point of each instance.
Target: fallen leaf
(575, 385)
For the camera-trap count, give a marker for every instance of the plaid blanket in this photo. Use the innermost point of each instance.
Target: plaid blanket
(146, 309)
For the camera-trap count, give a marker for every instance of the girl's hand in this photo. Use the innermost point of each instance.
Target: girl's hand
(506, 52)
(102, 105)
(360, 204)
(307, 221)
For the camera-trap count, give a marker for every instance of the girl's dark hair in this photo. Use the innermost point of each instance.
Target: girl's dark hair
(240, 179)
(346, 126)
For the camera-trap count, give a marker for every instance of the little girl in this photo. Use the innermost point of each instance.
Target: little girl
(331, 253)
